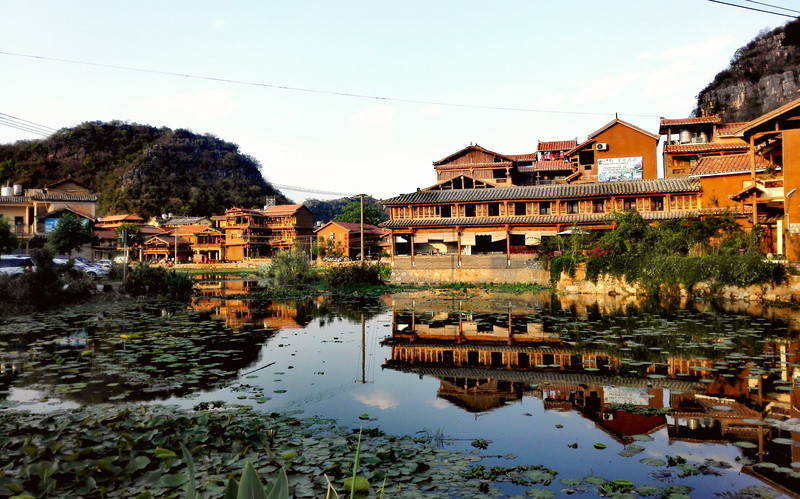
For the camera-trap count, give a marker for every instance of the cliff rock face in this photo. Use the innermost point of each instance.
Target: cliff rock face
(762, 76)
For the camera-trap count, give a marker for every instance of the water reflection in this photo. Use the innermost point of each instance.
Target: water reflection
(631, 370)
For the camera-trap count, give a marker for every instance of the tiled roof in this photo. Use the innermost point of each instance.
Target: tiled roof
(467, 166)
(193, 229)
(352, 227)
(283, 209)
(623, 123)
(522, 220)
(729, 129)
(729, 163)
(550, 165)
(91, 198)
(475, 147)
(556, 145)
(670, 122)
(184, 220)
(121, 218)
(14, 199)
(523, 157)
(555, 191)
(728, 145)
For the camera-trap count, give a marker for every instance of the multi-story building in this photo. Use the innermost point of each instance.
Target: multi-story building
(344, 239)
(260, 233)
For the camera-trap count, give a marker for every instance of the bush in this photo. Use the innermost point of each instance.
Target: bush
(159, 281)
(349, 275)
(288, 267)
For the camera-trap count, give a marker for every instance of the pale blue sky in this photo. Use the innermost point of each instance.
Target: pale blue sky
(639, 58)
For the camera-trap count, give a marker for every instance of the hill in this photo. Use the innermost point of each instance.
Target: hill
(762, 76)
(325, 211)
(142, 169)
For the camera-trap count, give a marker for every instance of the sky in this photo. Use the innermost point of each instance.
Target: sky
(352, 97)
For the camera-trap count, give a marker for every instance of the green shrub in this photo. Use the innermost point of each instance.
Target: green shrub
(288, 267)
(349, 275)
(144, 279)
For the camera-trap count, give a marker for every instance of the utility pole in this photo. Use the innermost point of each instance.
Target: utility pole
(176, 247)
(362, 230)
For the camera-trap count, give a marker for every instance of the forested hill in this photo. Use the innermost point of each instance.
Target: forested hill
(762, 76)
(141, 169)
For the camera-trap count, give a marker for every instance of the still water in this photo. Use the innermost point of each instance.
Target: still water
(694, 398)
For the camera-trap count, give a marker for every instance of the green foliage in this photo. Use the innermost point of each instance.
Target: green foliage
(325, 211)
(69, 234)
(134, 234)
(41, 289)
(352, 213)
(330, 248)
(350, 275)
(147, 280)
(8, 241)
(142, 169)
(288, 267)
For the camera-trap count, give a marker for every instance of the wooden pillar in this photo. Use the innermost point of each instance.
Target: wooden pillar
(411, 241)
(458, 244)
(392, 247)
(508, 246)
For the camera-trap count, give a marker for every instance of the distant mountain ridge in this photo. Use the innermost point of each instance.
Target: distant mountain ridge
(142, 169)
(763, 75)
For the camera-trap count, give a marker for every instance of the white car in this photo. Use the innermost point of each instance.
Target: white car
(15, 264)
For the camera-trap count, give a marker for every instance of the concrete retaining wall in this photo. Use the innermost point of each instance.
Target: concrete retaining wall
(441, 269)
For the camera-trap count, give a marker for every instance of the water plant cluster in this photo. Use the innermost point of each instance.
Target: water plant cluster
(669, 254)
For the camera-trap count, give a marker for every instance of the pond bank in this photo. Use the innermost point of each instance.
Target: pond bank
(787, 292)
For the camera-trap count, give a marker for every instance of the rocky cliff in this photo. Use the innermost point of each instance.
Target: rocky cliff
(762, 76)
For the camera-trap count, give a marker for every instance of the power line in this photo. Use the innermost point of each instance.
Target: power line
(313, 191)
(25, 125)
(774, 6)
(323, 92)
(753, 9)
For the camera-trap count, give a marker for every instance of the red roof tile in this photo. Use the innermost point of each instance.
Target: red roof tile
(556, 145)
(689, 121)
(353, 227)
(523, 157)
(553, 164)
(728, 145)
(728, 129)
(282, 209)
(729, 163)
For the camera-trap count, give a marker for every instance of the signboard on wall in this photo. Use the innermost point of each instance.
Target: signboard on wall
(618, 169)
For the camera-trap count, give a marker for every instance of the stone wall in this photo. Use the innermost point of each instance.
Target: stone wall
(442, 269)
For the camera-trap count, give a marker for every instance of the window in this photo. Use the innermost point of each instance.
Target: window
(494, 209)
(544, 208)
(333, 235)
(628, 204)
(586, 158)
(598, 206)
(657, 203)
(447, 211)
(469, 210)
(519, 209)
(572, 207)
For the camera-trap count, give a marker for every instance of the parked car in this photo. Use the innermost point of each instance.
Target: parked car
(15, 264)
(106, 264)
(94, 271)
(81, 264)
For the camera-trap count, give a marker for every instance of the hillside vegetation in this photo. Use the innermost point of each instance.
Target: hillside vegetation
(142, 169)
(763, 75)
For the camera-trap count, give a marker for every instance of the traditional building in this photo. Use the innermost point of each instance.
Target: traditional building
(206, 242)
(687, 140)
(515, 219)
(166, 247)
(616, 152)
(344, 239)
(289, 224)
(27, 210)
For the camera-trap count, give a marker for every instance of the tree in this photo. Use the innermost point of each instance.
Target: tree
(135, 237)
(70, 233)
(352, 214)
(8, 241)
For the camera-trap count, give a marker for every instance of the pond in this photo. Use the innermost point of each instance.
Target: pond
(694, 399)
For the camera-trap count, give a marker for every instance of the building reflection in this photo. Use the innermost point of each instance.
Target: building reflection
(487, 355)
